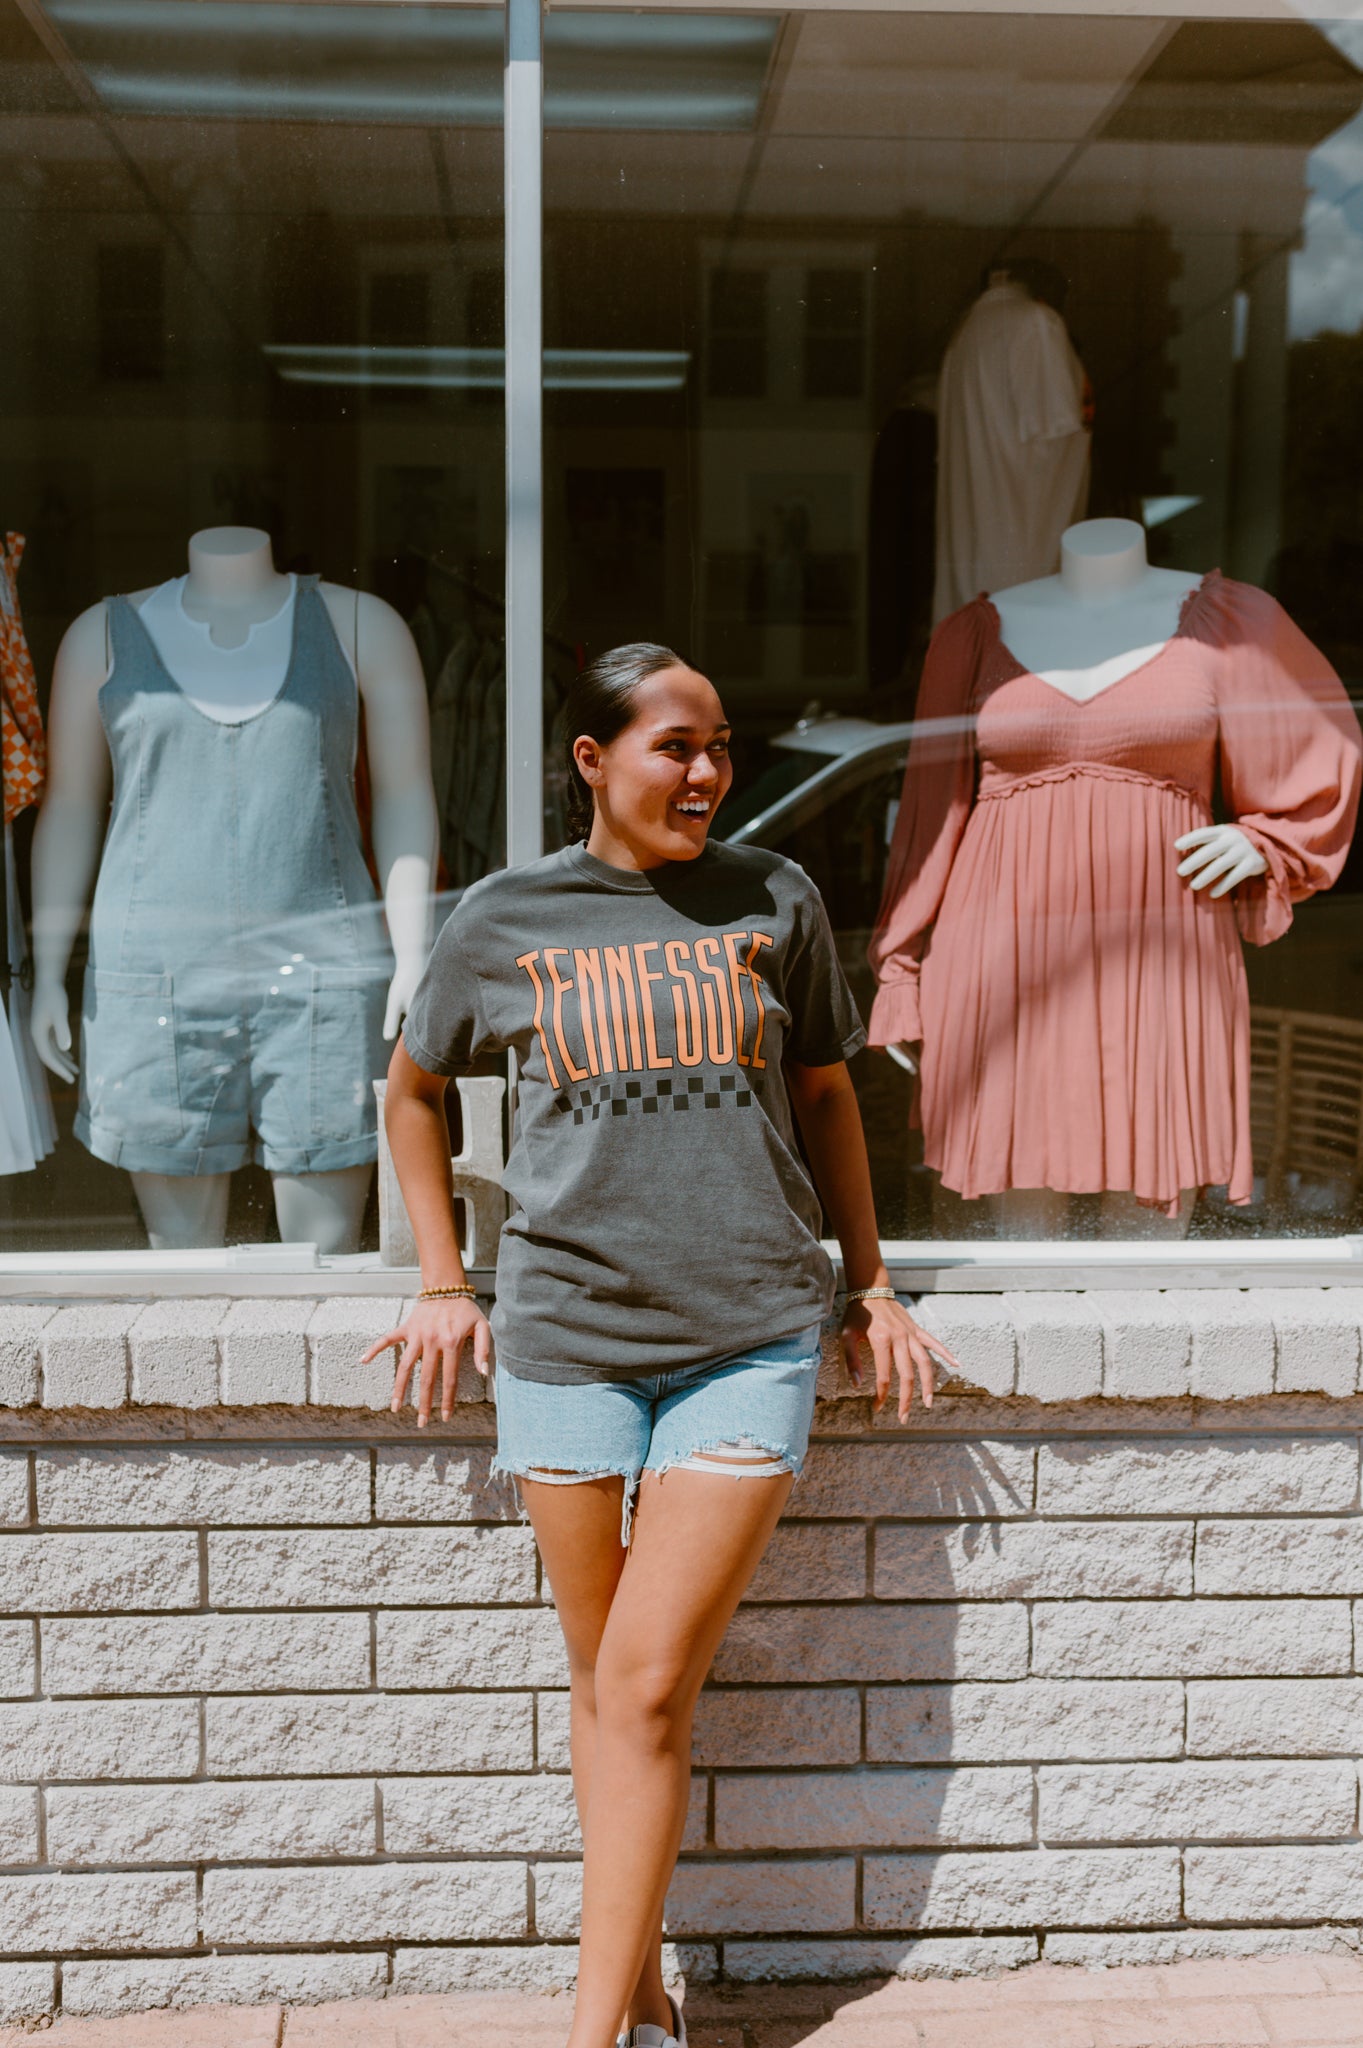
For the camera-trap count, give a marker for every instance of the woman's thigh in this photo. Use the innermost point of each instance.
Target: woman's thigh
(726, 1447)
(576, 1453)
(698, 1538)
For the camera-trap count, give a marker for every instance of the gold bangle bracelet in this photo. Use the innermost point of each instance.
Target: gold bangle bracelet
(447, 1293)
(873, 1294)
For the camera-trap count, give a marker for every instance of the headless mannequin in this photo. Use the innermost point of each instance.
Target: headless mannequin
(232, 586)
(1105, 615)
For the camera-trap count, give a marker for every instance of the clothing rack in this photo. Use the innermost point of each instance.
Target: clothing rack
(486, 597)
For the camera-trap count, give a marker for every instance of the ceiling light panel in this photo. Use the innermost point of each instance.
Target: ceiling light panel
(305, 60)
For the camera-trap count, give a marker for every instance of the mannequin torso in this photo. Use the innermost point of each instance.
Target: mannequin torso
(231, 588)
(1105, 615)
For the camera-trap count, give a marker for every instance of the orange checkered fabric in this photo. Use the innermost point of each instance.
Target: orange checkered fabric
(21, 725)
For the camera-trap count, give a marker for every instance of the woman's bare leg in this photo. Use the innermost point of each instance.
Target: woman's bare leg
(697, 1541)
(577, 1528)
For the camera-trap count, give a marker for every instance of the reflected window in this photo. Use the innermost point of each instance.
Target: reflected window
(958, 283)
(256, 259)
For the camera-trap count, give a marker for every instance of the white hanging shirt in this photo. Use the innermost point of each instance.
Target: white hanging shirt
(230, 684)
(1012, 448)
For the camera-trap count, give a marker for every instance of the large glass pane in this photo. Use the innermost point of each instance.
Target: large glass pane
(253, 262)
(916, 292)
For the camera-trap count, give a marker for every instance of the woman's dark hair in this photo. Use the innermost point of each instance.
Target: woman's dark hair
(600, 704)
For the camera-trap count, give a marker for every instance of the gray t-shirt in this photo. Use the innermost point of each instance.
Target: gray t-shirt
(661, 1215)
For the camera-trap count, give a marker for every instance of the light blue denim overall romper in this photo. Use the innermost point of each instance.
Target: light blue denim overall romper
(234, 998)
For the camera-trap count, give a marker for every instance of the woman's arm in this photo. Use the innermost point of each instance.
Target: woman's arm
(435, 1333)
(830, 1123)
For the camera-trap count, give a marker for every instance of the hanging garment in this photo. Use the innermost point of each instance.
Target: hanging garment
(447, 740)
(484, 806)
(238, 968)
(1084, 1013)
(24, 747)
(471, 778)
(28, 1131)
(1012, 449)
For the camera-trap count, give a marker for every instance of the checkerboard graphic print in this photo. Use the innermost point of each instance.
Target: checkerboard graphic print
(667, 1095)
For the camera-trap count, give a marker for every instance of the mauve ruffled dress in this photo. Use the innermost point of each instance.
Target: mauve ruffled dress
(1083, 1013)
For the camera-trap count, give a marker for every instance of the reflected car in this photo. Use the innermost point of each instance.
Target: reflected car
(828, 798)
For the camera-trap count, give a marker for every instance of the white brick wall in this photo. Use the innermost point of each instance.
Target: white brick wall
(1072, 1666)
(1215, 1802)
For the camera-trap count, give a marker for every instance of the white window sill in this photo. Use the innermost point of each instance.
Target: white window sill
(928, 1267)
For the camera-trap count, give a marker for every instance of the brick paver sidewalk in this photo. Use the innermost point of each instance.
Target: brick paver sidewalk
(1279, 2002)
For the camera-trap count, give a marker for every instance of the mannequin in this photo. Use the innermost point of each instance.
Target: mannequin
(233, 587)
(1105, 615)
(1056, 952)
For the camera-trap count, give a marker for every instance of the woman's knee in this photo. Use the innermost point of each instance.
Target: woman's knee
(650, 1697)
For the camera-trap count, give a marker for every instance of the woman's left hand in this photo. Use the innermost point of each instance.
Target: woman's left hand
(898, 1344)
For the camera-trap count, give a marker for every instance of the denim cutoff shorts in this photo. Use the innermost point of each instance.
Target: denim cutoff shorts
(759, 1400)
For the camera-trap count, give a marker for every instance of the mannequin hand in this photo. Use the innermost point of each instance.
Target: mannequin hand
(897, 1344)
(433, 1336)
(1222, 855)
(904, 1055)
(50, 1028)
(401, 989)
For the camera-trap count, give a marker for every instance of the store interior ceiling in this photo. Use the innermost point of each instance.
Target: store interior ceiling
(976, 116)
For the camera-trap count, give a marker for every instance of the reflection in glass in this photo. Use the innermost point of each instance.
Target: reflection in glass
(1136, 189)
(202, 198)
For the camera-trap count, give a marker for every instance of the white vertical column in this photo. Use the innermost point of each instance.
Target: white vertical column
(522, 114)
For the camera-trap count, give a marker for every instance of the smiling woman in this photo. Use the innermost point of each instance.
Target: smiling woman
(664, 729)
(676, 1006)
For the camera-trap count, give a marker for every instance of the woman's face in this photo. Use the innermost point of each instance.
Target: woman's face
(659, 783)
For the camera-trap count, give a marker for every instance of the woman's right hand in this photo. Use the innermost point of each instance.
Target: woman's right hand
(433, 1336)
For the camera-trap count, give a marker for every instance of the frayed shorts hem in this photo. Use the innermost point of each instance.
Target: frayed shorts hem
(761, 1461)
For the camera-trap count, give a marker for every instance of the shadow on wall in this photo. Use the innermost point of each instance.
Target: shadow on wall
(828, 1722)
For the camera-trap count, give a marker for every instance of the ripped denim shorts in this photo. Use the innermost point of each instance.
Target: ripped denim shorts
(754, 1408)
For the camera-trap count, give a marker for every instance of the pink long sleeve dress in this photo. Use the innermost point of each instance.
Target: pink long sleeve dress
(1084, 1013)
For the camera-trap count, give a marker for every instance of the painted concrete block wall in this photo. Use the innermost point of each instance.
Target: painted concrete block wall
(283, 1707)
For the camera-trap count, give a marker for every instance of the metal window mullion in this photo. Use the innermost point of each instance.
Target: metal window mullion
(523, 117)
